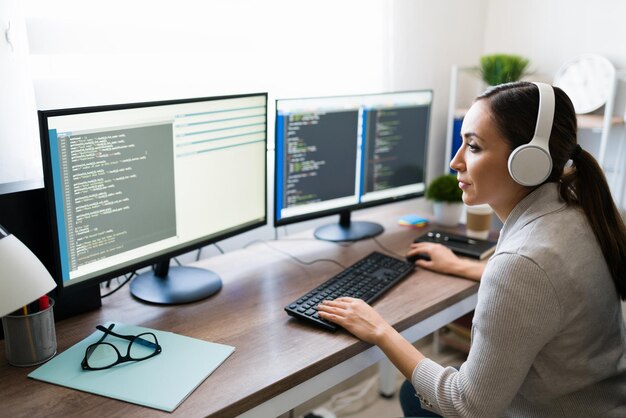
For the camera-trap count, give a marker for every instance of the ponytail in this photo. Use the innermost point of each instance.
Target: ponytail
(584, 184)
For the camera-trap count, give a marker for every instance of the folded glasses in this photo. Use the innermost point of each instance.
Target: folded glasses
(103, 355)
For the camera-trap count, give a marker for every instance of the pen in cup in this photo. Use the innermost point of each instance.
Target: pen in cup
(44, 303)
(39, 305)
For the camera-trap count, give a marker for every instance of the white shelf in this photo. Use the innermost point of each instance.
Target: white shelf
(595, 122)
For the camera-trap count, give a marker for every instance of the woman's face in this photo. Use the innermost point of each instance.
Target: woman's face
(481, 163)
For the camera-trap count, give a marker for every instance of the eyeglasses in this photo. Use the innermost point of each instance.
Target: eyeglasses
(101, 355)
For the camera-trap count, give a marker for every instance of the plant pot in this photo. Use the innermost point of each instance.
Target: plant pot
(447, 214)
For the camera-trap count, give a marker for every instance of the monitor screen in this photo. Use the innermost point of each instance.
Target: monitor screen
(135, 184)
(337, 154)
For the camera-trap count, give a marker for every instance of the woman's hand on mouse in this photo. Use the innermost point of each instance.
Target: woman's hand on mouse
(443, 260)
(440, 256)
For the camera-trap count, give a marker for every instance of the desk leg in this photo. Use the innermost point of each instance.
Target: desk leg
(387, 378)
(436, 342)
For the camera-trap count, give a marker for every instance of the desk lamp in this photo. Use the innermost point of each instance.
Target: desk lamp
(23, 279)
(29, 338)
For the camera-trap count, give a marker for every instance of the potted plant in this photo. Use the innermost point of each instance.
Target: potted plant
(447, 199)
(496, 69)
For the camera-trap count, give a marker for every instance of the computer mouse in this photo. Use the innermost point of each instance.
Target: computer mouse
(418, 256)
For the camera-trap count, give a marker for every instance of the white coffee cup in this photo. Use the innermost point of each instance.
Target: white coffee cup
(478, 221)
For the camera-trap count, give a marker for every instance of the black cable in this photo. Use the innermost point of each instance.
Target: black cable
(344, 243)
(306, 263)
(387, 249)
(218, 248)
(340, 244)
(133, 274)
(337, 243)
(215, 245)
(254, 241)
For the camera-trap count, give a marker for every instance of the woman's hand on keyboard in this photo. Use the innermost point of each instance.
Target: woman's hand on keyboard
(365, 323)
(356, 316)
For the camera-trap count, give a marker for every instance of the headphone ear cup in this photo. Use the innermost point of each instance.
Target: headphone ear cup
(530, 165)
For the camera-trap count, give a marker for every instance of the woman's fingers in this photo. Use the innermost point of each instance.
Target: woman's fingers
(337, 309)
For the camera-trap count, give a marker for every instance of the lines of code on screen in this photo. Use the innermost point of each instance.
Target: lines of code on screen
(118, 190)
(395, 147)
(320, 158)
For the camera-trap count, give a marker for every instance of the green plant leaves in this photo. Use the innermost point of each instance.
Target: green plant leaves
(502, 68)
(444, 188)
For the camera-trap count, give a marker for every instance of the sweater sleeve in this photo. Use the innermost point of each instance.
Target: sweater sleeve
(516, 315)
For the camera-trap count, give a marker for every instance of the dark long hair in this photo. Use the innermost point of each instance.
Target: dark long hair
(582, 183)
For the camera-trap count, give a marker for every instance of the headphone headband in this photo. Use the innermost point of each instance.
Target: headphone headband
(545, 114)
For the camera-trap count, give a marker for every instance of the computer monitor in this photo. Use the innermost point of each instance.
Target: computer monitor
(137, 184)
(338, 154)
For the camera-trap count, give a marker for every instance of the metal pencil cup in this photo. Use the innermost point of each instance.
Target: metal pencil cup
(30, 339)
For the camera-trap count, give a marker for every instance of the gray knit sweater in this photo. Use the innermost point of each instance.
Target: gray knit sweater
(548, 337)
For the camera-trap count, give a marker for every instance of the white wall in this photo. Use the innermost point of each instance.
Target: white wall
(20, 169)
(429, 37)
(121, 51)
(550, 32)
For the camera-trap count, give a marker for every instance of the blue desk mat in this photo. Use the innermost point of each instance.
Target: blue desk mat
(161, 382)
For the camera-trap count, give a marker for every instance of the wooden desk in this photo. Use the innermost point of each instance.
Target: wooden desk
(279, 361)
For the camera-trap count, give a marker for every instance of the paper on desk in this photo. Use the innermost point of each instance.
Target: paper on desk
(162, 382)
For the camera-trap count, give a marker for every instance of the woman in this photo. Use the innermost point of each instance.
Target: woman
(548, 337)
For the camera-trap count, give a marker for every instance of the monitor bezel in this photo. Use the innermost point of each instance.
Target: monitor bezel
(351, 207)
(43, 116)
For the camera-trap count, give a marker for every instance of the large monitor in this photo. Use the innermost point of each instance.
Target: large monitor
(136, 184)
(338, 154)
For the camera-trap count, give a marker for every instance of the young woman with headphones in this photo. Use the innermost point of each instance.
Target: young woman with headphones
(548, 336)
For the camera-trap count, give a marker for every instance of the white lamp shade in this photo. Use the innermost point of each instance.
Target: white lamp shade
(23, 279)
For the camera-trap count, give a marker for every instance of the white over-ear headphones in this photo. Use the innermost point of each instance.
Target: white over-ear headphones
(530, 164)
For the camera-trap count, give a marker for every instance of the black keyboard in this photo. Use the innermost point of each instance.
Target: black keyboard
(366, 279)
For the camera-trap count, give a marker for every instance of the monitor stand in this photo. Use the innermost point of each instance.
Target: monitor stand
(346, 230)
(175, 285)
